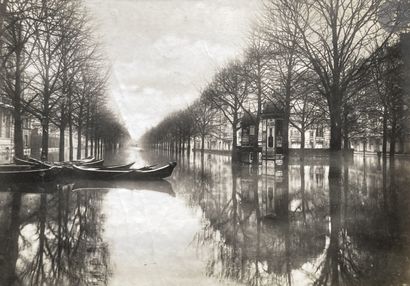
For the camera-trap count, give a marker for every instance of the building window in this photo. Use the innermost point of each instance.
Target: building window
(252, 130)
(26, 140)
(319, 132)
(8, 126)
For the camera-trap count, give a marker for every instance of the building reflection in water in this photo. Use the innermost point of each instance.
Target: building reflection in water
(327, 221)
(330, 221)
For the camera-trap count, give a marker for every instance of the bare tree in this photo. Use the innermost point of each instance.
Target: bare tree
(204, 112)
(258, 69)
(283, 35)
(17, 48)
(90, 85)
(75, 51)
(46, 93)
(336, 37)
(305, 108)
(227, 92)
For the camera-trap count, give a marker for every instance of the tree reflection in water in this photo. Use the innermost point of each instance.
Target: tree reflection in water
(52, 239)
(336, 221)
(329, 221)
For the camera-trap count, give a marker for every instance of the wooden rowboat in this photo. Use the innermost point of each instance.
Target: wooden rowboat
(89, 159)
(28, 174)
(131, 174)
(95, 163)
(89, 162)
(14, 167)
(27, 161)
(126, 167)
(117, 167)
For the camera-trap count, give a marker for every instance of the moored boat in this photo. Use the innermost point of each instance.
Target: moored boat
(117, 167)
(28, 174)
(14, 167)
(89, 162)
(27, 161)
(130, 174)
(89, 159)
(95, 163)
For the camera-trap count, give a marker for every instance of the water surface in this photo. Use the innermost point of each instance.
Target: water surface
(304, 222)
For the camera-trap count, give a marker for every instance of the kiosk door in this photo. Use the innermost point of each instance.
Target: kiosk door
(270, 137)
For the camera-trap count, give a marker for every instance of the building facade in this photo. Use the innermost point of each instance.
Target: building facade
(7, 132)
(316, 137)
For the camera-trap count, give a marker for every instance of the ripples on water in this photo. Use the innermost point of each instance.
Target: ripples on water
(301, 223)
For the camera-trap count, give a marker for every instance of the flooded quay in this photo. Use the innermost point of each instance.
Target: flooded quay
(304, 222)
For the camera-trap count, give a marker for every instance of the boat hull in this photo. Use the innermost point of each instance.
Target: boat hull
(30, 175)
(90, 162)
(117, 167)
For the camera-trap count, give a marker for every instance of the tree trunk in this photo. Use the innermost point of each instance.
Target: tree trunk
(102, 148)
(345, 129)
(87, 128)
(189, 146)
(44, 140)
(18, 130)
(70, 138)
(79, 131)
(61, 148)
(335, 122)
(91, 146)
(18, 135)
(384, 144)
(96, 147)
(393, 137)
(302, 139)
(234, 151)
(255, 152)
(285, 125)
(202, 143)
(86, 146)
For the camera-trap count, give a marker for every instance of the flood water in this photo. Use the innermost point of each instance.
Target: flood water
(317, 221)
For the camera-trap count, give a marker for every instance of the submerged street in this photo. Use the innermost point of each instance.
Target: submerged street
(213, 224)
(273, 143)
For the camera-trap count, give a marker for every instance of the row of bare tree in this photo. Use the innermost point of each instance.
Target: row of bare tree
(334, 62)
(52, 71)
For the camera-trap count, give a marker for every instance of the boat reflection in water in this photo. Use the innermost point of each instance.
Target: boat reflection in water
(327, 221)
(53, 233)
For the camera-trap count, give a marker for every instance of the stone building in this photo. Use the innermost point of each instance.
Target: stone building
(7, 132)
(316, 137)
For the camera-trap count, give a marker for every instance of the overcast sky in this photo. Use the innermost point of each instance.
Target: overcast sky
(162, 52)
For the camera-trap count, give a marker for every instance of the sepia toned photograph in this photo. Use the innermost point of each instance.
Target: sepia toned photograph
(204, 142)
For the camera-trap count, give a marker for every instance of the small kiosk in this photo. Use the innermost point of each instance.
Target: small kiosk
(272, 135)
